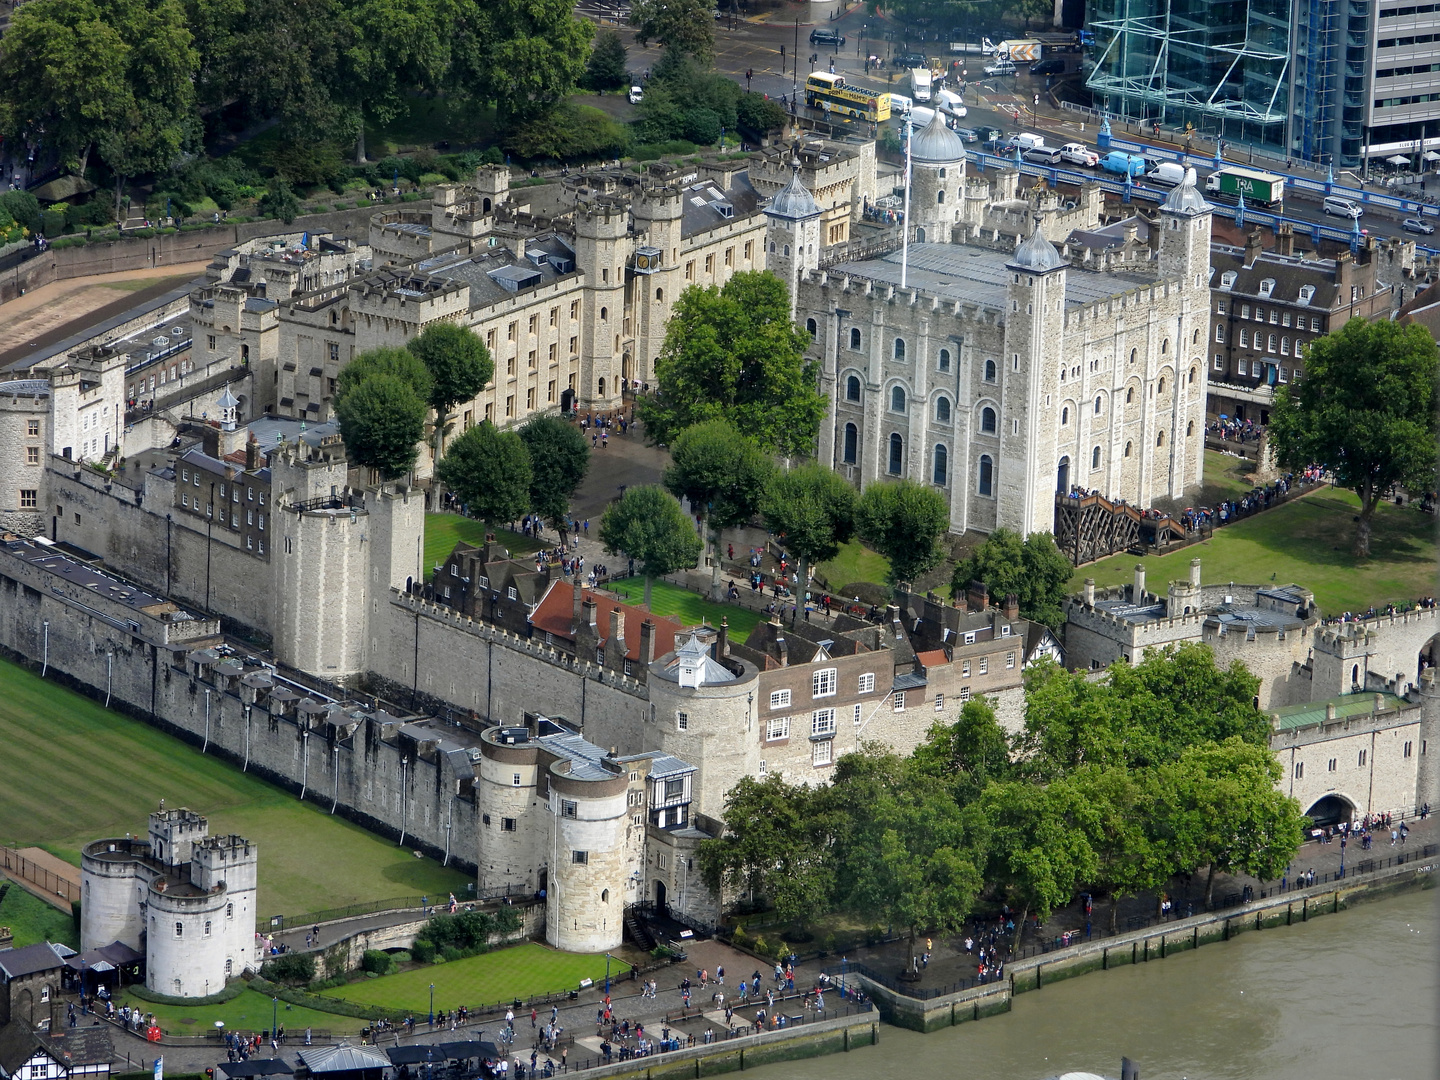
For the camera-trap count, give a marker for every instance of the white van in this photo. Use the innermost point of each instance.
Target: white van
(900, 104)
(1028, 141)
(1339, 207)
(1169, 173)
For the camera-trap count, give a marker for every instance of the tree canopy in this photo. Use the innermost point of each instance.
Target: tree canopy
(1032, 568)
(488, 470)
(382, 420)
(401, 363)
(684, 27)
(734, 353)
(559, 459)
(607, 68)
(903, 521)
(648, 525)
(1366, 408)
(458, 363)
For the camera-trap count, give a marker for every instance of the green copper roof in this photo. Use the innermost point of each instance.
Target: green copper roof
(1289, 717)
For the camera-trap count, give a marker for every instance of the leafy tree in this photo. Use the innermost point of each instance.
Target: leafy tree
(279, 202)
(524, 55)
(903, 521)
(300, 83)
(701, 126)
(723, 474)
(568, 132)
(1032, 568)
(773, 846)
(1132, 856)
(648, 525)
(23, 207)
(1220, 808)
(1039, 849)
(684, 27)
(393, 47)
(608, 66)
(1366, 409)
(382, 420)
(489, 471)
(906, 854)
(969, 754)
(559, 459)
(759, 113)
(401, 363)
(459, 367)
(75, 71)
(812, 509)
(734, 353)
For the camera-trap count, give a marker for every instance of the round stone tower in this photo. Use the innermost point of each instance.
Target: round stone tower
(937, 182)
(585, 905)
(514, 828)
(112, 893)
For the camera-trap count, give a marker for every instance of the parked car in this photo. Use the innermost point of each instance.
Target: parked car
(1079, 154)
(1042, 155)
(1053, 66)
(1338, 207)
(967, 134)
(908, 60)
(1416, 225)
(637, 95)
(1000, 68)
(826, 36)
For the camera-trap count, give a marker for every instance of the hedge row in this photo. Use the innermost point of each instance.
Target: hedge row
(318, 1003)
(233, 989)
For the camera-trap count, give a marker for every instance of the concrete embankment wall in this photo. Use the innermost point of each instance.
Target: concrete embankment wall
(1143, 946)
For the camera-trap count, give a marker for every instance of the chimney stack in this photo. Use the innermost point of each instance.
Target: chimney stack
(1090, 592)
(1137, 595)
(647, 642)
(577, 613)
(1253, 248)
(1285, 239)
(1011, 608)
(1330, 710)
(617, 630)
(252, 453)
(722, 641)
(1195, 573)
(976, 597)
(210, 441)
(587, 614)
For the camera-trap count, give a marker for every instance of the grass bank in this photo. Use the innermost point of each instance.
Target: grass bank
(444, 531)
(689, 608)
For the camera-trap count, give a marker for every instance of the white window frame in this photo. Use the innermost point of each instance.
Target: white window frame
(900, 701)
(822, 723)
(779, 699)
(777, 727)
(823, 682)
(867, 683)
(822, 753)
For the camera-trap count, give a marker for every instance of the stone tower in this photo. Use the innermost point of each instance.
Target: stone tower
(601, 233)
(937, 182)
(792, 239)
(658, 212)
(1036, 296)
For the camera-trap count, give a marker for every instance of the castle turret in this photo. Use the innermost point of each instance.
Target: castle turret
(585, 907)
(793, 236)
(937, 182)
(601, 232)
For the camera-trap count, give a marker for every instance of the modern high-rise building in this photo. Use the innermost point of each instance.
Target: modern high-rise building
(1327, 81)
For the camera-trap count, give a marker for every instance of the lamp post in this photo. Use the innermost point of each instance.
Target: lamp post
(274, 1015)
(607, 968)
(843, 962)
(432, 1004)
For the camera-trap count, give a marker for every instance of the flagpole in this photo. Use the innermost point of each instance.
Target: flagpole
(905, 223)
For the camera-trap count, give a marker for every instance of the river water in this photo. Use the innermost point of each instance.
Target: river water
(1349, 996)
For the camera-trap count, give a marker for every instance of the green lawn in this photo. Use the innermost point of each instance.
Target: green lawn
(689, 608)
(443, 531)
(251, 1011)
(855, 563)
(32, 920)
(519, 972)
(71, 772)
(1224, 478)
(1306, 542)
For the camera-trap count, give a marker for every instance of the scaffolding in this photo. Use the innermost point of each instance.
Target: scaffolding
(1195, 60)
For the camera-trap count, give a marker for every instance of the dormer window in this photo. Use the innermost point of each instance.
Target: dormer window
(1227, 279)
(1306, 293)
(1267, 287)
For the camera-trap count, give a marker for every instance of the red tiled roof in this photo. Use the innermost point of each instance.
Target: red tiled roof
(932, 658)
(556, 613)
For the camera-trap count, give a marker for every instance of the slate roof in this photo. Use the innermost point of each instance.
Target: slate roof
(699, 204)
(1289, 272)
(84, 1045)
(18, 1045)
(555, 615)
(479, 270)
(28, 960)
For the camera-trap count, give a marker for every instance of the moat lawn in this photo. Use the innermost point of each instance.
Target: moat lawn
(1306, 542)
(688, 607)
(250, 1012)
(72, 771)
(443, 531)
(521, 971)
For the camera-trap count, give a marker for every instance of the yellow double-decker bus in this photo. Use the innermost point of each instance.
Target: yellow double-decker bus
(829, 93)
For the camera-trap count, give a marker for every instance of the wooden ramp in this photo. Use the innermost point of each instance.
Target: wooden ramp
(1090, 527)
(37, 871)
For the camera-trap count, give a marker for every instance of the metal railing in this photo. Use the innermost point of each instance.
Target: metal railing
(429, 904)
(18, 866)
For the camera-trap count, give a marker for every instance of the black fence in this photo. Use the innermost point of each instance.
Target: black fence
(430, 904)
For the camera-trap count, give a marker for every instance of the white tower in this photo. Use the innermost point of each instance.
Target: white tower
(937, 182)
(793, 235)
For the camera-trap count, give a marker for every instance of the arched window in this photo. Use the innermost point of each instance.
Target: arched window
(988, 420)
(1095, 458)
(772, 247)
(1064, 416)
(1162, 384)
(989, 370)
(660, 294)
(1160, 438)
(897, 448)
(1190, 429)
(987, 475)
(1195, 338)
(942, 457)
(919, 236)
(786, 251)
(897, 399)
(1127, 449)
(1129, 394)
(940, 196)
(852, 442)
(604, 314)
(854, 337)
(944, 359)
(942, 410)
(1098, 405)
(942, 173)
(899, 348)
(601, 387)
(810, 328)
(1272, 343)
(1133, 353)
(604, 896)
(1165, 345)
(1192, 374)
(852, 388)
